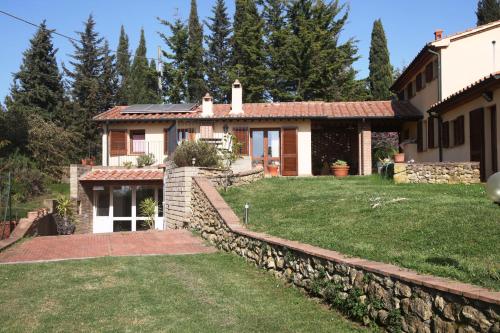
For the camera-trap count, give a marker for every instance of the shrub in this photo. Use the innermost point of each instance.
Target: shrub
(339, 163)
(145, 160)
(128, 164)
(205, 154)
(147, 208)
(65, 218)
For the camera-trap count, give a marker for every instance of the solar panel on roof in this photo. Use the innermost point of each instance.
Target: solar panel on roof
(160, 108)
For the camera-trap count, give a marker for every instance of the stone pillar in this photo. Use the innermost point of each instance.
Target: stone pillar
(105, 145)
(81, 197)
(364, 148)
(400, 176)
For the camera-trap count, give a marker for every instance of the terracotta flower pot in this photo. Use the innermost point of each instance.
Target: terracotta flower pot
(340, 170)
(273, 170)
(399, 158)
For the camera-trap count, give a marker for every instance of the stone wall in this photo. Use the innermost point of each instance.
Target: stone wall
(437, 173)
(82, 199)
(395, 298)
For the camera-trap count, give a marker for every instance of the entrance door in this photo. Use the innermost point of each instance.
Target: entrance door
(476, 134)
(102, 198)
(289, 158)
(265, 148)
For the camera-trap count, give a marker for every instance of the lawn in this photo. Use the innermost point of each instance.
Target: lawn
(446, 230)
(20, 210)
(197, 293)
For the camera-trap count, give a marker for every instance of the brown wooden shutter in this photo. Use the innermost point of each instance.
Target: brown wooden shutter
(117, 143)
(445, 132)
(419, 82)
(289, 164)
(430, 133)
(420, 136)
(241, 134)
(191, 134)
(429, 75)
(459, 131)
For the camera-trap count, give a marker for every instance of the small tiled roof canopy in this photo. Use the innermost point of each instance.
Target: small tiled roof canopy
(123, 175)
(287, 110)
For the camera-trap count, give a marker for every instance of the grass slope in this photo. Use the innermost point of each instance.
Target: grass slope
(54, 190)
(199, 293)
(446, 230)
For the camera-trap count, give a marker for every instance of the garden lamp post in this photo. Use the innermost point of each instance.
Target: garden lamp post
(493, 188)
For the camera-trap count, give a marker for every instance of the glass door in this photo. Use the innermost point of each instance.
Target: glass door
(122, 208)
(265, 145)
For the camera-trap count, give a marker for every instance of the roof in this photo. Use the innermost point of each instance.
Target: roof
(123, 175)
(423, 56)
(287, 110)
(467, 94)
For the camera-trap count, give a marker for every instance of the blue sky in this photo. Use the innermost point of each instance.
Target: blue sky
(408, 24)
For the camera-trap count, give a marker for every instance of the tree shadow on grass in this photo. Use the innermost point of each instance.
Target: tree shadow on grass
(443, 261)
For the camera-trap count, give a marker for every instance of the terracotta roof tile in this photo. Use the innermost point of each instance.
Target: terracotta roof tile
(123, 174)
(329, 110)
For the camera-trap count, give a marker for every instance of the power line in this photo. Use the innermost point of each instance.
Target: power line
(62, 35)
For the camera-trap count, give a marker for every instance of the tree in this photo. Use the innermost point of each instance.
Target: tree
(277, 42)
(320, 67)
(487, 11)
(174, 71)
(381, 72)
(108, 78)
(141, 90)
(86, 86)
(122, 67)
(248, 58)
(218, 54)
(194, 57)
(37, 85)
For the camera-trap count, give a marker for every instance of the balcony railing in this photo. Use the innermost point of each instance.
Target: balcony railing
(139, 148)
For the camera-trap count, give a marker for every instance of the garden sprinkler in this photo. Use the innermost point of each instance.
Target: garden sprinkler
(493, 188)
(247, 206)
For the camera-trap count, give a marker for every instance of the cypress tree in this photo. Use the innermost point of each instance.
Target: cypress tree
(194, 57)
(277, 38)
(380, 78)
(122, 67)
(37, 85)
(487, 11)
(248, 56)
(109, 78)
(140, 89)
(174, 71)
(218, 54)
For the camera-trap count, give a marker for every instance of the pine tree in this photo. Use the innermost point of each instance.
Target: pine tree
(248, 56)
(37, 85)
(108, 78)
(320, 66)
(487, 11)
(140, 89)
(122, 67)
(174, 71)
(218, 54)
(194, 57)
(277, 38)
(380, 78)
(85, 85)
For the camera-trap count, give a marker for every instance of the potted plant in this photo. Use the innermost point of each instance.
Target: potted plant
(399, 157)
(148, 208)
(88, 161)
(64, 217)
(340, 168)
(273, 169)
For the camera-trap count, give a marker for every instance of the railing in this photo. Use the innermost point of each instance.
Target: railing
(139, 148)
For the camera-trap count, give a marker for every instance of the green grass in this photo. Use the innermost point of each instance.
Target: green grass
(200, 293)
(20, 210)
(446, 230)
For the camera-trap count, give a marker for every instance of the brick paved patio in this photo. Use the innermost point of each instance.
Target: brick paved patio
(51, 248)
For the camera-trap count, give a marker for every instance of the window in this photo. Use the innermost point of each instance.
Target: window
(430, 133)
(409, 90)
(458, 131)
(419, 82)
(207, 131)
(185, 134)
(117, 143)
(429, 72)
(420, 136)
(137, 142)
(401, 95)
(102, 202)
(241, 134)
(445, 133)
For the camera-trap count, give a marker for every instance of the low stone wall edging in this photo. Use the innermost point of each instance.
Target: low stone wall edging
(385, 292)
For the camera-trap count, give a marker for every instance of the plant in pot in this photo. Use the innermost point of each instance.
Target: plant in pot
(399, 157)
(64, 217)
(148, 208)
(273, 169)
(340, 168)
(88, 161)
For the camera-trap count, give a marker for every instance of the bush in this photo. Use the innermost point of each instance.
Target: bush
(206, 155)
(145, 160)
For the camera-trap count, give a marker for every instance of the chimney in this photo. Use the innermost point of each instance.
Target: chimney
(438, 34)
(207, 107)
(237, 98)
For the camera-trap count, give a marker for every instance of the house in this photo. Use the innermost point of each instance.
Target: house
(454, 82)
(298, 137)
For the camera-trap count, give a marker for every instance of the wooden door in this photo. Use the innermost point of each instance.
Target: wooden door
(494, 138)
(265, 147)
(289, 160)
(476, 135)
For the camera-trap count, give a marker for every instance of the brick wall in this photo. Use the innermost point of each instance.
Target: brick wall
(365, 148)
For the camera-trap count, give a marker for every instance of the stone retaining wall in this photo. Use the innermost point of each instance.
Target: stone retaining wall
(437, 173)
(395, 298)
